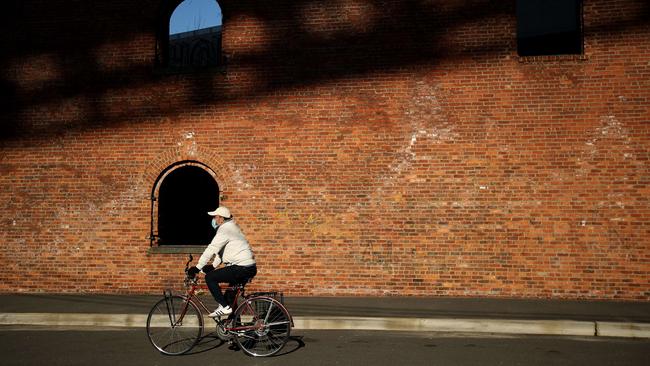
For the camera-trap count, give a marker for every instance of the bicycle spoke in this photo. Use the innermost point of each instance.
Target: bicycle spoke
(272, 339)
(270, 323)
(268, 312)
(278, 323)
(182, 326)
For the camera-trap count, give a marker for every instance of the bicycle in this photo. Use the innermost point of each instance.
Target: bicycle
(260, 325)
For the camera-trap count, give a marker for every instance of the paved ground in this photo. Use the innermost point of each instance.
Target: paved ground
(73, 331)
(131, 347)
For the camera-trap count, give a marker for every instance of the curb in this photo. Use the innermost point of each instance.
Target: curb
(74, 320)
(499, 326)
(631, 330)
(505, 326)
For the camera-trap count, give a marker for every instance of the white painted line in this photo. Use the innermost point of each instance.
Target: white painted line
(73, 319)
(554, 327)
(631, 330)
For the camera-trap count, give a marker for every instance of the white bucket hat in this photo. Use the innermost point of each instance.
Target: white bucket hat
(221, 211)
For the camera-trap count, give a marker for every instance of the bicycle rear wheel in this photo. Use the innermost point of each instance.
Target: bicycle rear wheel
(262, 326)
(174, 325)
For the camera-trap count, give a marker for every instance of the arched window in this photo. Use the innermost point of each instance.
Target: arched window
(189, 34)
(546, 27)
(184, 194)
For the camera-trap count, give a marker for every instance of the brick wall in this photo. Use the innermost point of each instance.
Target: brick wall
(365, 147)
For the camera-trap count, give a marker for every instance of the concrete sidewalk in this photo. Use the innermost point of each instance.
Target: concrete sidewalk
(474, 315)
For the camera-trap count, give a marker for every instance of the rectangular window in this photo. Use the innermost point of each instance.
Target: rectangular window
(549, 27)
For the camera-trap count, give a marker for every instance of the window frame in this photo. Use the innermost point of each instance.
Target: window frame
(162, 49)
(558, 56)
(154, 246)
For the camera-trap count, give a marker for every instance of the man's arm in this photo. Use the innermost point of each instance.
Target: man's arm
(218, 242)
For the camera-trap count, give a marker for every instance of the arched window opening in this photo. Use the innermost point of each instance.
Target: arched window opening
(185, 193)
(549, 27)
(193, 15)
(189, 34)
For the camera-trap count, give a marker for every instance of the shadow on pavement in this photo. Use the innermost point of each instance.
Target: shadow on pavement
(207, 343)
(293, 344)
(211, 342)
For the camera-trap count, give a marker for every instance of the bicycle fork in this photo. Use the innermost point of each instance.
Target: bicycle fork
(171, 310)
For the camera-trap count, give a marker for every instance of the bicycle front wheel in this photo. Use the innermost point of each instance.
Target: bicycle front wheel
(262, 326)
(174, 325)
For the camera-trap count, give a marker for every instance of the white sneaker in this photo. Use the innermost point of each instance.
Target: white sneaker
(220, 311)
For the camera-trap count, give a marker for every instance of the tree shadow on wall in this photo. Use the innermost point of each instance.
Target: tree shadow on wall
(57, 61)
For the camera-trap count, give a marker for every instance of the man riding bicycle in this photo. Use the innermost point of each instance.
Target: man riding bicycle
(230, 247)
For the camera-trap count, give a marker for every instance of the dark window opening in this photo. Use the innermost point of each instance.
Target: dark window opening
(186, 195)
(549, 27)
(189, 35)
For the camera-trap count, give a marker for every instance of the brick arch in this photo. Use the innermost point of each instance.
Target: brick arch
(193, 153)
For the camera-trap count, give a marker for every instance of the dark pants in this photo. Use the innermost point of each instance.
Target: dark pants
(230, 274)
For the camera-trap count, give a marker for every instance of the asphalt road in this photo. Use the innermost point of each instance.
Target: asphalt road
(131, 347)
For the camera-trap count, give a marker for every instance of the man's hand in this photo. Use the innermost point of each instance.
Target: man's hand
(192, 271)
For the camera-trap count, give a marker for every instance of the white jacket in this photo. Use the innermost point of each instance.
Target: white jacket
(236, 250)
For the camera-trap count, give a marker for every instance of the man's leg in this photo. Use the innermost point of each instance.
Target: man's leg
(221, 275)
(245, 274)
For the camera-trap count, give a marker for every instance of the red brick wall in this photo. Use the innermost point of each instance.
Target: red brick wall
(365, 147)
